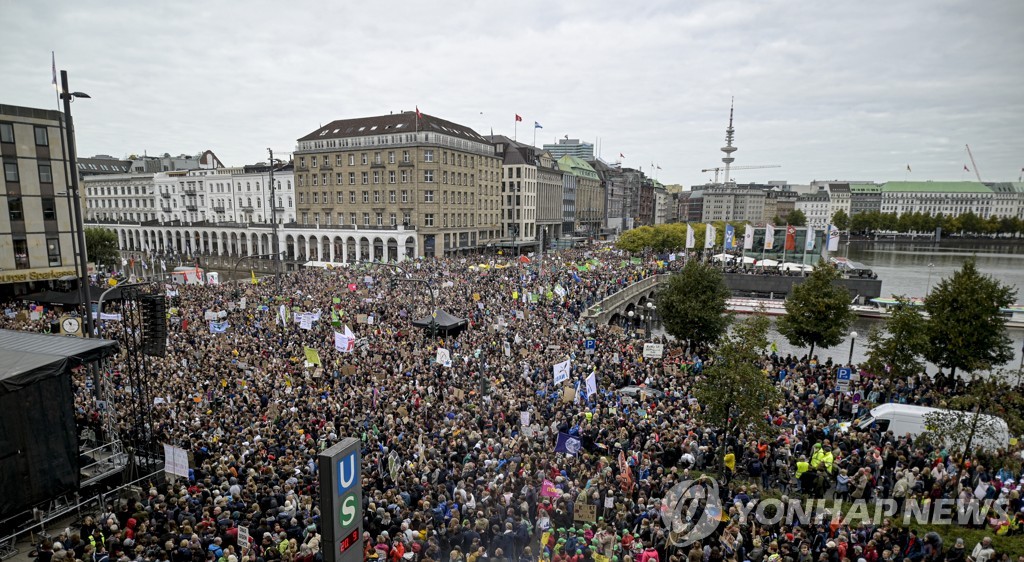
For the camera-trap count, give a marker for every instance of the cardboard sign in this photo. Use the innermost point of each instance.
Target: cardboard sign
(361, 319)
(585, 512)
(653, 350)
(459, 393)
(568, 394)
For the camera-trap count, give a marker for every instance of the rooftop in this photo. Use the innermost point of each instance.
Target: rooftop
(391, 124)
(935, 187)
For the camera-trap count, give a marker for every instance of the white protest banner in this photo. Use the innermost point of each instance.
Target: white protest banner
(175, 461)
(561, 371)
(306, 322)
(444, 358)
(507, 349)
(591, 384)
(653, 350)
(524, 418)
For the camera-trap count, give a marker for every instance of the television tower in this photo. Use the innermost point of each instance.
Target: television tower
(728, 149)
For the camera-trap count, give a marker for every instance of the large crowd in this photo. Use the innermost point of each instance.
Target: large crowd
(460, 460)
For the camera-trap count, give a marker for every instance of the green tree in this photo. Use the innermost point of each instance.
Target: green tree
(817, 311)
(796, 217)
(692, 306)
(841, 220)
(971, 223)
(734, 392)
(974, 418)
(101, 245)
(636, 240)
(896, 349)
(966, 328)
(864, 222)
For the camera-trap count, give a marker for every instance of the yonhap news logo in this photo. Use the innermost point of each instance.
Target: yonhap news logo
(691, 511)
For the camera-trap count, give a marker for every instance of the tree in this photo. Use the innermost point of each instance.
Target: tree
(692, 306)
(896, 348)
(735, 393)
(796, 217)
(101, 245)
(817, 311)
(966, 328)
(636, 240)
(976, 417)
(841, 220)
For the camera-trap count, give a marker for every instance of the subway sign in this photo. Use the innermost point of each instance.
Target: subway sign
(341, 502)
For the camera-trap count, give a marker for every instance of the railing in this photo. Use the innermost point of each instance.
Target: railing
(612, 303)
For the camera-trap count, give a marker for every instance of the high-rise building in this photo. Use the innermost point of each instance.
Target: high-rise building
(401, 171)
(571, 147)
(36, 217)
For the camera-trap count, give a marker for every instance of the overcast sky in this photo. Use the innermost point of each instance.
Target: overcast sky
(828, 90)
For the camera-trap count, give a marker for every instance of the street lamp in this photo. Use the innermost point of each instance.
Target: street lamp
(651, 307)
(275, 242)
(631, 324)
(853, 338)
(83, 253)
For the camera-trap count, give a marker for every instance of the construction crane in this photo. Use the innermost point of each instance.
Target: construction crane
(721, 168)
(977, 174)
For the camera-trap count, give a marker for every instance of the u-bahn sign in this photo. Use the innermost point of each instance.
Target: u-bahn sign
(341, 502)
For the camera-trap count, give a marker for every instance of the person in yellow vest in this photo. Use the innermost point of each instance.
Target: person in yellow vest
(803, 473)
(817, 457)
(730, 464)
(828, 460)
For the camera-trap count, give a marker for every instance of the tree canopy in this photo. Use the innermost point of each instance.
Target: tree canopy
(817, 310)
(841, 220)
(693, 305)
(796, 217)
(101, 245)
(896, 348)
(966, 328)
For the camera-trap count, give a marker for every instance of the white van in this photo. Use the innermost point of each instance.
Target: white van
(902, 419)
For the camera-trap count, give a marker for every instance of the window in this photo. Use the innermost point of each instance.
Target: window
(391, 196)
(341, 218)
(352, 219)
(14, 209)
(428, 219)
(406, 218)
(351, 159)
(340, 197)
(42, 137)
(376, 176)
(312, 162)
(314, 182)
(376, 196)
(49, 209)
(11, 172)
(351, 178)
(428, 176)
(364, 158)
(428, 155)
(366, 178)
(305, 217)
(351, 196)
(391, 157)
(405, 196)
(337, 162)
(338, 179)
(21, 254)
(45, 173)
(391, 176)
(428, 196)
(376, 158)
(316, 197)
(444, 177)
(6, 132)
(53, 251)
(394, 220)
(380, 219)
(366, 219)
(405, 176)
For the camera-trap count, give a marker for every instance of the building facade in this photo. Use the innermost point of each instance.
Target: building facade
(519, 174)
(733, 203)
(36, 234)
(402, 171)
(816, 207)
(549, 198)
(949, 199)
(571, 147)
(865, 198)
(589, 195)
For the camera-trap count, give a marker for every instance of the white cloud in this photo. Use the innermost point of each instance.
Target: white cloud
(828, 90)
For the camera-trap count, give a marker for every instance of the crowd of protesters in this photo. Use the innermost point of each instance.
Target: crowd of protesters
(460, 459)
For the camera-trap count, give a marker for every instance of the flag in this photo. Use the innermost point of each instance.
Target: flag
(561, 371)
(282, 315)
(748, 237)
(144, 266)
(568, 444)
(709, 236)
(253, 275)
(591, 384)
(418, 114)
(53, 66)
(730, 233)
(345, 342)
(625, 470)
(833, 238)
(691, 237)
(621, 155)
(549, 490)
(312, 355)
(518, 118)
(809, 243)
(790, 238)
(908, 167)
(576, 277)
(218, 327)
(537, 125)
(966, 169)
(658, 167)
(163, 265)
(769, 236)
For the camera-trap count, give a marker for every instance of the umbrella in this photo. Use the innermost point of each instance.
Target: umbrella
(747, 260)
(722, 257)
(767, 263)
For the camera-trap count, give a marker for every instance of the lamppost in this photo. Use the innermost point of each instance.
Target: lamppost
(83, 253)
(275, 243)
(853, 338)
(632, 325)
(651, 307)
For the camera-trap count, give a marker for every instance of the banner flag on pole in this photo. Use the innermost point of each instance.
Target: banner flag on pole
(591, 384)
(568, 444)
(790, 238)
(748, 237)
(809, 243)
(709, 236)
(730, 234)
(561, 371)
(312, 355)
(833, 238)
(691, 237)
(769, 236)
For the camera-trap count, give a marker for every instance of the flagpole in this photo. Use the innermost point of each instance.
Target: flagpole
(515, 130)
(534, 134)
(803, 261)
(785, 243)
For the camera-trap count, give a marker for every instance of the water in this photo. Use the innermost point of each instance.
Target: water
(912, 269)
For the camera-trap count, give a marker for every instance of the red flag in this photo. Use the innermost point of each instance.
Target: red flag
(790, 237)
(184, 324)
(518, 118)
(418, 114)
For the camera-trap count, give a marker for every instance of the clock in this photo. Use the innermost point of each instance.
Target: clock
(71, 325)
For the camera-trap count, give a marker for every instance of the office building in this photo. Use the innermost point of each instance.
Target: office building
(571, 147)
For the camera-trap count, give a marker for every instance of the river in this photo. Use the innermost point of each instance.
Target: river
(912, 269)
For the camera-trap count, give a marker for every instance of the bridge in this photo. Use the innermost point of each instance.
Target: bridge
(631, 298)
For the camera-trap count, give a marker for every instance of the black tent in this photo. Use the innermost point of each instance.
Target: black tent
(38, 438)
(53, 297)
(442, 321)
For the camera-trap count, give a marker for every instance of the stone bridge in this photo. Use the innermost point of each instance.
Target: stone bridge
(631, 298)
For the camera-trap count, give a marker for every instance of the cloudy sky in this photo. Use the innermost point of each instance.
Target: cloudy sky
(827, 90)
